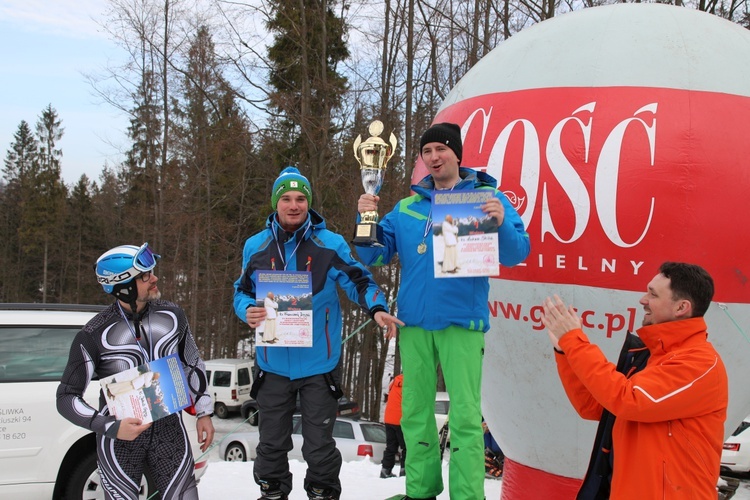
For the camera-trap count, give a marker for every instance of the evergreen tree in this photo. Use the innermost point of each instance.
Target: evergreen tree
(214, 147)
(141, 172)
(49, 131)
(34, 202)
(83, 245)
(308, 46)
(108, 205)
(6, 253)
(19, 169)
(43, 224)
(21, 158)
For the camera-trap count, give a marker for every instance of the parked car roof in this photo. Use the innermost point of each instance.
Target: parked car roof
(229, 361)
(355, 439)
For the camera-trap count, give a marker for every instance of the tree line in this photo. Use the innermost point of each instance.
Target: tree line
(219, 100)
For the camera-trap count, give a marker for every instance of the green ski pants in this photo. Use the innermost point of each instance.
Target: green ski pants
(459, 352)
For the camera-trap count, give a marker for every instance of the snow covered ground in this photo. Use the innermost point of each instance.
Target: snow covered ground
(743, 492)
(359, 480)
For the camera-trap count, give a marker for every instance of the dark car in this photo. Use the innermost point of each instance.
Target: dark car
(347, 408)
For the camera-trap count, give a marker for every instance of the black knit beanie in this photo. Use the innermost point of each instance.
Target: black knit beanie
(446, 133)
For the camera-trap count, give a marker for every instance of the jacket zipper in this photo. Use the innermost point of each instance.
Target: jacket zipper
(328, 336)
(664, 465)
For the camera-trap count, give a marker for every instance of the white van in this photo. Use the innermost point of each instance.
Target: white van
(43, 455)
(229, 382)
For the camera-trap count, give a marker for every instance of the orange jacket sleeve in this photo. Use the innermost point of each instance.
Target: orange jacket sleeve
(682, 383)
(580, 397)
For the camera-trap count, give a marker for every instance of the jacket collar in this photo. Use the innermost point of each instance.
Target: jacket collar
(313, 218)
(470, 179)
(665, 337)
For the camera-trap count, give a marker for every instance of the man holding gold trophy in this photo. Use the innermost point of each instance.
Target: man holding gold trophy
(445, 319)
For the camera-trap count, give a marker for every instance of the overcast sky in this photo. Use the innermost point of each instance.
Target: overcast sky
(47, 47)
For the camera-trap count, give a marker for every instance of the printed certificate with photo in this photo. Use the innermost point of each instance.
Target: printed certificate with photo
(465, 241)
(149, 392)
(287, 297)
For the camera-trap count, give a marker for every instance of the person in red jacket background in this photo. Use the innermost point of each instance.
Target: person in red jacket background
(394, 437)
(669, 417)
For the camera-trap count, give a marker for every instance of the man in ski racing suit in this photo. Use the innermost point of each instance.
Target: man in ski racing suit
(139, 327)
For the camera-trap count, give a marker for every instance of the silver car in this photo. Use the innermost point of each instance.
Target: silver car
(355, 439)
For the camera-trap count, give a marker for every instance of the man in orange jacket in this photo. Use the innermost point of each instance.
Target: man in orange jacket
(669, 417)
(394, 437)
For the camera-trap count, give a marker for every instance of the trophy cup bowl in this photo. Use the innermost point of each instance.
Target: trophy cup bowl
(372, 156)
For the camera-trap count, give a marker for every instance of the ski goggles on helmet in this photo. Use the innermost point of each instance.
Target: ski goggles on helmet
(123, 263)
(145, 258)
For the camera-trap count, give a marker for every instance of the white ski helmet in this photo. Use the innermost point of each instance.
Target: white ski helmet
(116, 268)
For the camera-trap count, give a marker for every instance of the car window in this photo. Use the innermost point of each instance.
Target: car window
(744, 425)
(343, 430)
(243, 376)
(442, 407)
(30, 353)
(222, 378)
(208, 374)
(373, 433)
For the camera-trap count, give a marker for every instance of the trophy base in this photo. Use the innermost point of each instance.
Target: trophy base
(368, 235)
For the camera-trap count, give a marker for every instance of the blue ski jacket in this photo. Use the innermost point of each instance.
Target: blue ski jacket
(329, 259)
(423, 300)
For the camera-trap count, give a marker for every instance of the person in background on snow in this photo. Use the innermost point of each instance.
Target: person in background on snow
(668, 430)
(296, 239)
(446, 318)
(394, 436)
(493, 455)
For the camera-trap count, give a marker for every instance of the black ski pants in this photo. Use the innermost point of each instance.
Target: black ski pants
(394, 439)
(277, 398)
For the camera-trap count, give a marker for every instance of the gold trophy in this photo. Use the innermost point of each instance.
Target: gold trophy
(373, 156)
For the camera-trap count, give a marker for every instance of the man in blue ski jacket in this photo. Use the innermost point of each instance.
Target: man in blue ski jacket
(445, 318)
(296, 239)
